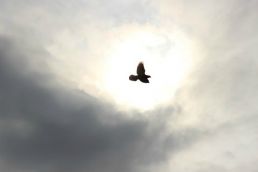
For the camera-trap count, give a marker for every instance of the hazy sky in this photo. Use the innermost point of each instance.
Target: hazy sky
(66, 103)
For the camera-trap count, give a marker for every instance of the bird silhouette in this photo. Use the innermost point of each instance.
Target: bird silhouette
(140, 74)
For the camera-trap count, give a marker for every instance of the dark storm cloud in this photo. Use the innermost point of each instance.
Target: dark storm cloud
(47, 127)
(57, 128)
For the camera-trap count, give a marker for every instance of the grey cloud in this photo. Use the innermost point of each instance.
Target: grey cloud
(126, 11)
(222, 91)
(57, 14)
(57, 128)
(215, 23)
(48, 127)
(225, 73)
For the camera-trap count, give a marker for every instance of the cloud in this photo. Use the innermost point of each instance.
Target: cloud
(48, 127)
(47, 124)
(51, 128)
(220, 95)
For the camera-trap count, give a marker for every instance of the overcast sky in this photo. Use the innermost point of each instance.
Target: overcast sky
(64, 105)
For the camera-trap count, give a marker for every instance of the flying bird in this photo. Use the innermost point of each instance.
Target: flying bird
(140, 74)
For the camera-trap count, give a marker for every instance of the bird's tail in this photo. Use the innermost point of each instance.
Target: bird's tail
(133, 77)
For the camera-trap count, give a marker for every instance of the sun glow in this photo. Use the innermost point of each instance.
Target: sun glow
(102, 68)
(167, 58)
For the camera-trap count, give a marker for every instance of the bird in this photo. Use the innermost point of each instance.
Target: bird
(140, 74)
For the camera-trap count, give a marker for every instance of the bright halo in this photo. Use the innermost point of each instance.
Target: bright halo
(166, 58)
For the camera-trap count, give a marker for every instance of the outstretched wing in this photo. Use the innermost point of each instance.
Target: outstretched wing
(140, 69)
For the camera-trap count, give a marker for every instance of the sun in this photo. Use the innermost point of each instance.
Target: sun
(167, 58)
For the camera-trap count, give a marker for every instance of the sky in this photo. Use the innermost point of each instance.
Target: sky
(66, 103)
